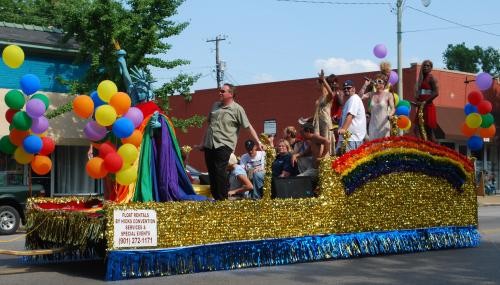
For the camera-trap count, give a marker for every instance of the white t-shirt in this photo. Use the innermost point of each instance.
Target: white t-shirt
(258, 162)
(355, 107)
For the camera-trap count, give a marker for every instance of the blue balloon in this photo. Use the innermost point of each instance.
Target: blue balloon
(30, 84)
(123, 128)
(475, 143)
(403, 111)
(32, 144)
(469, 108)
(97, 101)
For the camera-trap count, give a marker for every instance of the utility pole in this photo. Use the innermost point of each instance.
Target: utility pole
(399, 7)
(219, 66)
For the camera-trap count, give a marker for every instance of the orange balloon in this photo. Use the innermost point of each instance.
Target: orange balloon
(41, 164)
(83, 106)
(95, 168)
(488, 132)
(135, 138)
(121, 102)
(403, 122)
(468, 132)
(16, 136)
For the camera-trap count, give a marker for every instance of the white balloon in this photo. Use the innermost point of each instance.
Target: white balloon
(426, 3)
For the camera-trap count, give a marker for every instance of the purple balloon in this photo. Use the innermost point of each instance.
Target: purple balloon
(135, 115)
(94, 132)
(393, 77)
(39, 125)
(380, 51)
(484, 81)
(35, 108)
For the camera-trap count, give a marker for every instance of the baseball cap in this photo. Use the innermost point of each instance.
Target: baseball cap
(249, 144)
(232, 159)
(348, 83)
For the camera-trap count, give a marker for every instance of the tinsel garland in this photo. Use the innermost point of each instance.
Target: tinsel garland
(421, 122)
(125, 264)
(81, 233)
(393, 121)
(270, 156)
(345, 136)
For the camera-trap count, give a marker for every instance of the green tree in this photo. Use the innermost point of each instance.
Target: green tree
(459, 57)
(141, 27)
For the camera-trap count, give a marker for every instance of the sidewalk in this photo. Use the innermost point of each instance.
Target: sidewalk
(492, 200)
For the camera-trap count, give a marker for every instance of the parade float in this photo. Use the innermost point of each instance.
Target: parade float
(390, 196)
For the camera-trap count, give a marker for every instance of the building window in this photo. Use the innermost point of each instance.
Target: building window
(11, 173)
(70, 176)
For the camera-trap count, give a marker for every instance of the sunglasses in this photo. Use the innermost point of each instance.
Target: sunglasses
(347, 88)
(379, 81)
(222, 91)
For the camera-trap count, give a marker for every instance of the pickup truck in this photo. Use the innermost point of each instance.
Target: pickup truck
(13, 204)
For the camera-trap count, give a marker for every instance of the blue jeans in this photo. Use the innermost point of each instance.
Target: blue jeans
(258, 183)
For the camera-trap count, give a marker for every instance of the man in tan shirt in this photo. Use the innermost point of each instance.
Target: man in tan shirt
(224, 122)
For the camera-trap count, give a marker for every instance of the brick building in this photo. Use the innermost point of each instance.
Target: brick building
(285, 101)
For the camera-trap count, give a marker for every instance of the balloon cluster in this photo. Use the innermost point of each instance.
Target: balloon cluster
(115, 120)
(479, 123)
(403, 109)
(27, 140)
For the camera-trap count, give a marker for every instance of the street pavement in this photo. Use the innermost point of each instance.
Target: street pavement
(461, 266)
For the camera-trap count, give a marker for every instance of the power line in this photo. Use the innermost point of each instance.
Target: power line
(449, 28)
(337, 2)
(453, 22)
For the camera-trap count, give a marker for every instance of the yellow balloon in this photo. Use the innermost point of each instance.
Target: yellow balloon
(128, 152)
(473, 120)
(13, 56)
(21, 156)
(127, 176)
(396, 98)
(106, 89)
(105, 115)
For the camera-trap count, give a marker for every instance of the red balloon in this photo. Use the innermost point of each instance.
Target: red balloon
(10, 114)
(484, 107)
(475, 97)
(113, 162)
(16, 136)
(105, 149)
(48, 146)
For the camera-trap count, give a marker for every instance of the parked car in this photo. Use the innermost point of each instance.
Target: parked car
(13, 204)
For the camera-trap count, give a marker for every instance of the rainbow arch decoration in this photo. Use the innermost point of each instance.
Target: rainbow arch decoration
(401, 154)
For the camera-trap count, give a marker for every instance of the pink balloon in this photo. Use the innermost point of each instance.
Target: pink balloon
(135, 115)
(39, 125)
(35, 108)
(94, 132)
(380, 51)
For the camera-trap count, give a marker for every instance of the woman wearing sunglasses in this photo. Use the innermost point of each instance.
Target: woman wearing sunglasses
(381, 106)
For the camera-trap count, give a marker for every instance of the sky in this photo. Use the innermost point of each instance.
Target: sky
(270, 40)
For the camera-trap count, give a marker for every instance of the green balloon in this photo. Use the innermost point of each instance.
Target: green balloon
(487, 120)
(21, 121)
(14, 99)
(42, 97)
(404, 103)
(6, 146)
